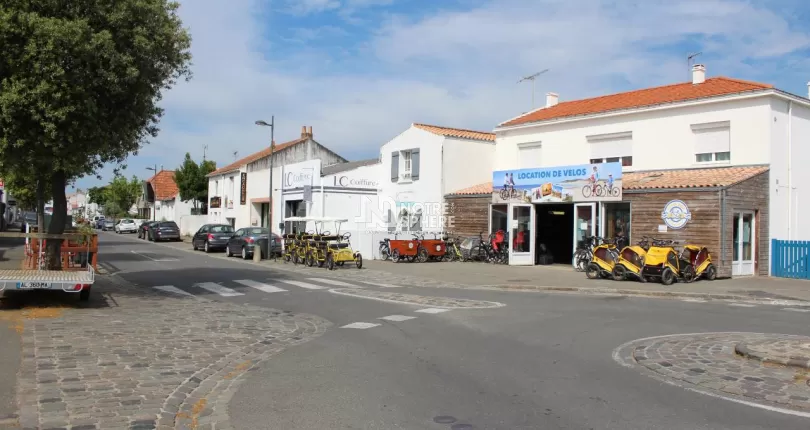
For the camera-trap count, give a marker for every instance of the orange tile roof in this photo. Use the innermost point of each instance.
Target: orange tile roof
(456, 132)
(712, 87)
(256, 156)
(485, 188)
(690, 178)
(163, 185)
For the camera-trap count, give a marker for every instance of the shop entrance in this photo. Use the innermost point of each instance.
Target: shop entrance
(297, 208)
(554, 226)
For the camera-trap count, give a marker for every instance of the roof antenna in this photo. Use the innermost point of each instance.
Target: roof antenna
(205, 150)
(532, 78)
(235, 154)
(690, 59)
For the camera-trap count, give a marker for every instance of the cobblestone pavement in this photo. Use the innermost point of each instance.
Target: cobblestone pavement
(786, 350)
(435, 302)
(145, 360)
(707, 362)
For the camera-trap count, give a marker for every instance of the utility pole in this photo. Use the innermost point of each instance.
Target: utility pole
(270, 202)
(532, 78)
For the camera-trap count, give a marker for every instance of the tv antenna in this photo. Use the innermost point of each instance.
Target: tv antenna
(205, 149)
(690, 59)
(532, 78)
(235, 154)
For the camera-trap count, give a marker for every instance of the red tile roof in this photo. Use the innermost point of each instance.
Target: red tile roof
(256, 156)
(712, 87)
(456, 132)
(690, 178)
(485, 188)
(163, 185)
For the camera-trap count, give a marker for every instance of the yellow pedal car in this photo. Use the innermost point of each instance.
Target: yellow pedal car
(630, 264)
(662, 262)
(700, 258)
(604, 260)
(339, 250)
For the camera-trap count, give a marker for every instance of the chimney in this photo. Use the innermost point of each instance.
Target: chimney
(303, 131)
(309, 131)
(698, 74)
(552, 99)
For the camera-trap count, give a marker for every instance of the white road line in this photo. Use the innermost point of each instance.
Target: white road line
(332, 282)
(742, 305)
(153, 259)
(796, 310)
(306, 285)
(172, 289)
(397, 318)
(432, 310)
(694, 300)
(259, 286)
(383, 285)
(219, 289)
(360, 325)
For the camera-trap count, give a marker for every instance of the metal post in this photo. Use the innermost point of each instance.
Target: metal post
(270, 200)
(154, 198)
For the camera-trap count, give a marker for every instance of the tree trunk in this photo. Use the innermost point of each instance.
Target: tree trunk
(58, 220)
(40, 206)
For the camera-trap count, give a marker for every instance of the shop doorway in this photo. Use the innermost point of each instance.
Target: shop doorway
(554, 224)
(296, 208)
(744, 225)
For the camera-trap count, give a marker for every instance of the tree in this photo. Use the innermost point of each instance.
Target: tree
(121, 194)
(80, 84)
(97, 195)
(192, 181)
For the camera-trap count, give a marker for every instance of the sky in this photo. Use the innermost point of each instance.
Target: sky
(359, 72)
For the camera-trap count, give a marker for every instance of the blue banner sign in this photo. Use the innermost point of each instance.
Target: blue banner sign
(584, 183)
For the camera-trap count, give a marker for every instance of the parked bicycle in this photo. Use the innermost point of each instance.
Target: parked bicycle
(452, 249)
(385, 248)
(584, 253)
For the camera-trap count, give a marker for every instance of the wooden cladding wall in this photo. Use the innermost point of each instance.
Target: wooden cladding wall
(749, 195)
(703, 229)
(470, 214)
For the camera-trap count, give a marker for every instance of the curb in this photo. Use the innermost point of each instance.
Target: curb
(796, 361)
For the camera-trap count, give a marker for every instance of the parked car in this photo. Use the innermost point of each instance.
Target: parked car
(28, 219)
(245, 241)
(107, 225)
(125, 225)
(144, 228)
(164, 230)
(212, 237)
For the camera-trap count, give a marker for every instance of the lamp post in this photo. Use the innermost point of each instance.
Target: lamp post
(272, 126)
(154, 217)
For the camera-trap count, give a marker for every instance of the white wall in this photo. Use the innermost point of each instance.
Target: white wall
(466, 163)
(189, 224)
(789, 194)
(662, 139)
(427, 190)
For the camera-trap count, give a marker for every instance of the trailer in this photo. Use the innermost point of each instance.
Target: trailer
(79, 257)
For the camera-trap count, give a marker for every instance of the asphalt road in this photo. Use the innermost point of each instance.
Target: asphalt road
(542, 361)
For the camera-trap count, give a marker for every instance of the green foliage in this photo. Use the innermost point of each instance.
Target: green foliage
(22, 184)
(121, 194)
(97, 195)
(191, 179)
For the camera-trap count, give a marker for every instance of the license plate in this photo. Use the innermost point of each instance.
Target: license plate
(33, 285)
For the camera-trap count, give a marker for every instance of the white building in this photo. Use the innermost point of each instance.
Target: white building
(426, 162)
(680, 140)
(239, 193)
(162, 200)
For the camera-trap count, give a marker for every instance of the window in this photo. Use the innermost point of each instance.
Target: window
(221, 229)
(500, 219)
(612, 148)
(522, 232)
(529, 155)
(406, 162)
(626, 161)
(712, 142)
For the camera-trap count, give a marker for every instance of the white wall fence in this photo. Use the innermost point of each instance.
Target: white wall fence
(189, 224)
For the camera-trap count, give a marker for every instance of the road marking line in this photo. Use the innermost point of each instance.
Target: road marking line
(383, 285)
(694, 300)
(360, 325)
(306, 285)
(397, 318)
(332, 282)
(259, 286)
(796, 310)
(153, 259)
(432, 310)
(218, 289)
(742, 305)
(174, 290)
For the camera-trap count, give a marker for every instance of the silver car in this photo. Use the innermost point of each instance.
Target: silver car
(126, 226)
(108, 225)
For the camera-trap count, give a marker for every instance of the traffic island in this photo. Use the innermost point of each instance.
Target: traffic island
(791, 351)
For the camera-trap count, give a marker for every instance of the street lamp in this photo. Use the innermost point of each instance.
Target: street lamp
(154, 169)
(272, 126)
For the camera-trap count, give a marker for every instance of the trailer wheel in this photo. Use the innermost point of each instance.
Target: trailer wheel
(359, 261)
(711, 272)
(667, 277)
(619, 273)
(395, 256)
(84, 295)
(592, 271)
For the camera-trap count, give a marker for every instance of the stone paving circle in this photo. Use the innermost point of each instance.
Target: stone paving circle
(145, 360)
(708, 362)
(786, 350)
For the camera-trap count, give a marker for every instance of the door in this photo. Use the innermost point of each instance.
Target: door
(744, 246)
(520, 236)
(584, 221)
(198, 238)
(235, 242)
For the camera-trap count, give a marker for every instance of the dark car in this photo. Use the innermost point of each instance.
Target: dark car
(164, 230)
(245, 241)
(28, 219)
(212, 237)
(144, 229)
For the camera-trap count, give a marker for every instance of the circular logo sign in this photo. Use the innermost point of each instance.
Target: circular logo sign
(410, 245)
(438, 247)
(676, 214)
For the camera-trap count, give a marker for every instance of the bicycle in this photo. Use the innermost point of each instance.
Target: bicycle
(452, 251)
(385, 248)
(584, 253)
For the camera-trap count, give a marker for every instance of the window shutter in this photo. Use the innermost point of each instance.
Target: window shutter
(414, 164)
(394, 166)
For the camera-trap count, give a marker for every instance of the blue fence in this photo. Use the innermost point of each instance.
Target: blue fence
(790, 259)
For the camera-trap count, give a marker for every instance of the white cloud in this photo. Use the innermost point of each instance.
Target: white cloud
(454, 68)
